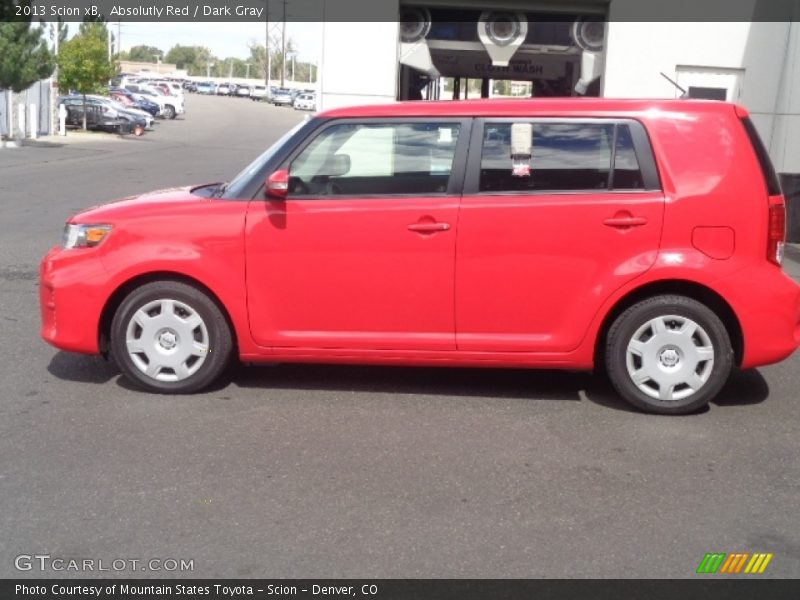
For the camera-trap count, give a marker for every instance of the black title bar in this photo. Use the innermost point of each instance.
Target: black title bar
(389, 10)
(710, 588)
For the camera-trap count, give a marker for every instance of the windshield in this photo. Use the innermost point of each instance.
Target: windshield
(235, 187)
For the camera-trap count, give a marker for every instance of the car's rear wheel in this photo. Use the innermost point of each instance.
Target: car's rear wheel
(170, 337)
(169, 112)
(668, 355)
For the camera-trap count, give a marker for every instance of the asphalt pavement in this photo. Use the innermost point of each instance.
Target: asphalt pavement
(339, 471)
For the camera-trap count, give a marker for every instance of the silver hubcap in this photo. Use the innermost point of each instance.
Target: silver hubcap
(670, 358)
(167, 340)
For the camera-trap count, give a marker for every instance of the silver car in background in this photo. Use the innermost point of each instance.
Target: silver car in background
(305, 102)
(282, 97)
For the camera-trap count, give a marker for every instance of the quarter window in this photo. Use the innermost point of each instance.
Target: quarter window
(376, 159)
(564, 157)
(627, 174)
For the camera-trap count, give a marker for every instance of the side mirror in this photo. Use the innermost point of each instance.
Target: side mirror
(277, 185)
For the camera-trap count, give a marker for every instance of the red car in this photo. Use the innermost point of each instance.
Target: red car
(641, 236)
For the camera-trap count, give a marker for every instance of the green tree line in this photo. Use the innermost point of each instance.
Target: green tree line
(198, 61)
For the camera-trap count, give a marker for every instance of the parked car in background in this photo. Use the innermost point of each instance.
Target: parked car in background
(138, 116)
(99, 115)
(282, 97)
(305, 102)
(243, 91)
(124, 79)
(258, 92)
(170, 106)
(162, 87)
(223, 89)
(171, 88)
(206, 87)
(135, 100)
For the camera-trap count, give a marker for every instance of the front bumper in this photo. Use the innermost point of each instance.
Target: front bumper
(72, 294)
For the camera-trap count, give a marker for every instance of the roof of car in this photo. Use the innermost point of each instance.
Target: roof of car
(500, 107)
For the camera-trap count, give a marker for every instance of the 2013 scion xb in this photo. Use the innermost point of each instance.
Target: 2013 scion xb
(643, 237)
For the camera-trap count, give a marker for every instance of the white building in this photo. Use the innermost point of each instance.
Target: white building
(755, 64)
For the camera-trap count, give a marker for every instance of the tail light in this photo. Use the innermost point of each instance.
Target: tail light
(777, 232)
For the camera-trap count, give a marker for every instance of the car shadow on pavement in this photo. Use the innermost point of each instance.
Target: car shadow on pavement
(81, 368)
(500, 383)
(744, 388)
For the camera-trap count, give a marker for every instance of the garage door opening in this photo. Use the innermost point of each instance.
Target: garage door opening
(459, 54)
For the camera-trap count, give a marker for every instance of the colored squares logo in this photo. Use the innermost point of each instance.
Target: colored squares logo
(734, 563)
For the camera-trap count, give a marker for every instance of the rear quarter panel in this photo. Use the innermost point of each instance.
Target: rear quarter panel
(712, 184)
(715, 222)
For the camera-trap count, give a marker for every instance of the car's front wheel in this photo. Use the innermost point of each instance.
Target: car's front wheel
(170, 337)
(169, 112)
(668, 354)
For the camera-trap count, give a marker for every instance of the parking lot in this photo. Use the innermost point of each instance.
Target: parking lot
(338, 471)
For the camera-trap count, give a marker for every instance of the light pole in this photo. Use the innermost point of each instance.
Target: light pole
(247, 65)
(53, 80)
(208, 69)
(267, 61)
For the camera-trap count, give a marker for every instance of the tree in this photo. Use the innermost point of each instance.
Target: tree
(24, 57)
(145, 54)
(83, 64)
(260, 64)
(258, 59)
(192, 58)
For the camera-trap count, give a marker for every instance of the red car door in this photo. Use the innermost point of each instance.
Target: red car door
(538, 253)
(361, 254)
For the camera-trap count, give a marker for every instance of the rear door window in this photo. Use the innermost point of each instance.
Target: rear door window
(565, 156)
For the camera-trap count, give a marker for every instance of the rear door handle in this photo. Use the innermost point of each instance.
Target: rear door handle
(428, 227)
(625, 222)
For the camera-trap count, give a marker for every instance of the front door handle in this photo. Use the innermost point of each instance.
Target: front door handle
(429, 227)
(623, 222)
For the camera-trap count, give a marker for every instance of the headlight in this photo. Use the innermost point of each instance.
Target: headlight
(84, 236)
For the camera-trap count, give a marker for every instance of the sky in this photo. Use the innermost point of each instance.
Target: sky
(223, 39)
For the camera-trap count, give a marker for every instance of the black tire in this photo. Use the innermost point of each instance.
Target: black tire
(169, 111)
(217, 337)
(659, 357)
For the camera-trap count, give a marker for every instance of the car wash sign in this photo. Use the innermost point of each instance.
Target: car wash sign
(524, 66)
